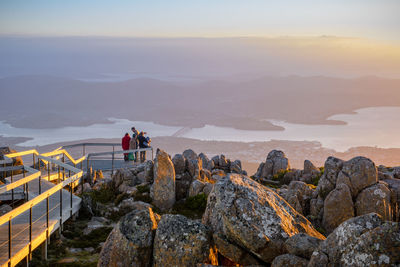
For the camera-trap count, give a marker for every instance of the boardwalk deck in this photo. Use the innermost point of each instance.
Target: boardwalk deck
(20, 224)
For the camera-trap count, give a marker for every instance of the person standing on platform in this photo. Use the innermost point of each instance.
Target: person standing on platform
(134, 144)
(125, 145)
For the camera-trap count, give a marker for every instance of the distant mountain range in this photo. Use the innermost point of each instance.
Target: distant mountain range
(47, 101)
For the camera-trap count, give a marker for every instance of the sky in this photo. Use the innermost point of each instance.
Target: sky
(370, 19)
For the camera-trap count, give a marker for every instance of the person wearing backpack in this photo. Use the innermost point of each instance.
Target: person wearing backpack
(143, 143)
(134, 144)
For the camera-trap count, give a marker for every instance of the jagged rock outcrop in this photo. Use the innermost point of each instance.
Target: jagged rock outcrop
(179, 163)
(253, 217)
(164, 181)
(347, 189)
(327, 182)
(309, 167)
(182, 185)
(361, 173)
(276, 162)
(365, 240)
(180, 241)
(298, 194)
(131, 241)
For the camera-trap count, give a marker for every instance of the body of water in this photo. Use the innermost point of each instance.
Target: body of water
(378, 126)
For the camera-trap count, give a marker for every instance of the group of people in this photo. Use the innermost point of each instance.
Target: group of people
(137, 141)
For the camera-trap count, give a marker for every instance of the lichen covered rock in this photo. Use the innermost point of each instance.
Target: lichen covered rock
(338, 207)
(286, 260)
(253, 217)
(180, 241)
(131, 241)
(365, 240)
(164, 181)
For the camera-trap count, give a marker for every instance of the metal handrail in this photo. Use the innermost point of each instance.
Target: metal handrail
(42, 196)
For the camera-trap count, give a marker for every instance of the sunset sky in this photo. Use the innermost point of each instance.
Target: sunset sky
(372, 19)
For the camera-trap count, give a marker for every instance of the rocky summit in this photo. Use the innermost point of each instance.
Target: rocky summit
(193, 210)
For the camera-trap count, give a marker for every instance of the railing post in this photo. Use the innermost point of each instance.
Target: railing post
(39, 167)
(48, 171)
(70, 185)
(47, 217)
(112, 162)
(61, 210)
(40, 184)
(4, 172)
(63, 160)
(9, 242)
(12, 190)
(23, 176)
(30, 232)
(27, 187)
(34, 161)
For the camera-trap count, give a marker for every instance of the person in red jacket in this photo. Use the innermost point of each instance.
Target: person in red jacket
(125, 145)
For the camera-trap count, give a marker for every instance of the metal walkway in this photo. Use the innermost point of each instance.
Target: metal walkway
(47, 192)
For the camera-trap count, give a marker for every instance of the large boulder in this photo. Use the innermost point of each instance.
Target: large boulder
(164, 181)
(394, 186)
(196, 187)
(236, 166)
(374, 199)
(204, 160)
(309, 167)
(365, 240)
(194, 167)
(286, 260)
(276, 162)
(361, 172)
(148, 171)
(327, 181)
(253, 217)
(302, 245)
(180, 241)
(338, 207)
(179, 163)
(122, 176)
(189, 154)
(182, 185)
(130, 243)
(234, 253)
(299, 195)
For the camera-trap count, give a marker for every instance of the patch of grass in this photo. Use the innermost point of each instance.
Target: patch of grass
(143, 197)
(321, 230)
(279, 175)
(143, 189)
(91, 240)
(271, 185)
(103, 195)
(192, 207)
(120, 197)
(315, 180)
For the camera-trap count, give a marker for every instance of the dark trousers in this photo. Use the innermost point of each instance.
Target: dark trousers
(142, 156)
